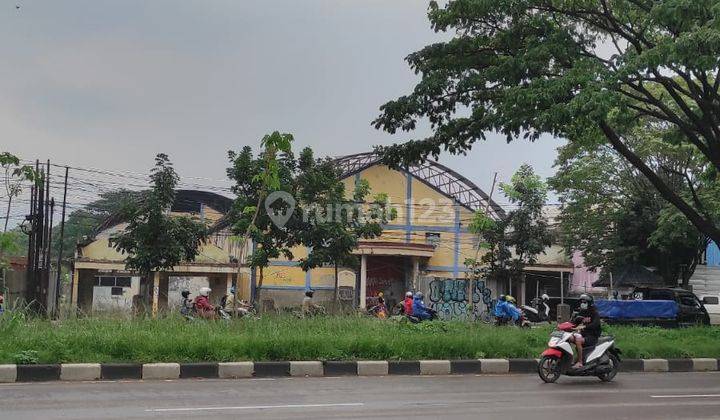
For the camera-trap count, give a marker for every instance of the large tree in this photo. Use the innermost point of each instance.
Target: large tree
(585, 70)
(155, 240)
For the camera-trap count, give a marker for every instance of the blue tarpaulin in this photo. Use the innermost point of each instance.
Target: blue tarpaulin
(637, 309)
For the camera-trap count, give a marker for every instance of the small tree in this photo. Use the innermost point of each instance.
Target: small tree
(515, 241)
(333, 223)
(154, 240)
(14, 175)
(255, 179)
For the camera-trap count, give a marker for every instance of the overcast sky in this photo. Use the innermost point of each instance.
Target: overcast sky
(109, 84)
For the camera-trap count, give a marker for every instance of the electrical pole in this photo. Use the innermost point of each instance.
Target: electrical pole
(45, 249)
(49, 300)
(62, 236)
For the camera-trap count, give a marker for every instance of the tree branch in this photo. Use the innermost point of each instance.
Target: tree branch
(701, 223)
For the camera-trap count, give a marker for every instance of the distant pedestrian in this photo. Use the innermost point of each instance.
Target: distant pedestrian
(309, 308)
(202, 304)
(407, 304)
(187, 307)
(2, 303)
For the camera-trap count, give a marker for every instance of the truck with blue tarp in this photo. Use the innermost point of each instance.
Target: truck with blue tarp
(655, 306)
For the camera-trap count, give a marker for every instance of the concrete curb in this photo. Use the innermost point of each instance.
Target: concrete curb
(403, 367)
(333, 368)
(495, 366)
(114, 371)
(306, 368)
(80, 372)
(161, 371)
(655, 365)
(234, 370)
(372, 368)
(271, 369)
(8, 373)
(312, 368)
(435, 367)
(199, 370)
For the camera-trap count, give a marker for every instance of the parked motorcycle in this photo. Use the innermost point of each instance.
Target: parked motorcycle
(539, 311)
(433, 315)
(601, 360)
(521, 322)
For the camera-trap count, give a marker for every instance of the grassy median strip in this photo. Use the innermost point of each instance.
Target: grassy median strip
(276, 338)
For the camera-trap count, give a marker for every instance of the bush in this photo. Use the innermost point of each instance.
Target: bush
(285, 337)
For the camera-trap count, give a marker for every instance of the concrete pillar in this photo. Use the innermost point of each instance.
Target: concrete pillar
(363, 280)
(521, 300)
(156, 294)
(75, 288)
(415, 272)
(228, 282)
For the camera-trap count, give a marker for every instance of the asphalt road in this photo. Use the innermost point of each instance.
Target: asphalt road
(632, 396)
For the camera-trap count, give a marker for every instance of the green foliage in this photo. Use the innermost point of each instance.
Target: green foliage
(81, 223)
(516, 240)
(321, 217)
(333, 222)
(14, 175)
(154, 240)
(255, 177)
(26, 357)
(616, 218)
(98, 340)
(529, 67)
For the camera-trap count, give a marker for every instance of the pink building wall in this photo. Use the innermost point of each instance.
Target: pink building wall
(583, 278)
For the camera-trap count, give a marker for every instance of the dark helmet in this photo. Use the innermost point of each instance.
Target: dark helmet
(501, 298)
(309, 293)
(185, 293)
(419, 295)
(585, 298)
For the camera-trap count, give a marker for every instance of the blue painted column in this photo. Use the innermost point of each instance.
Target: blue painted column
(308, 274)
(408, 207)
(456, 251)
(253, 277)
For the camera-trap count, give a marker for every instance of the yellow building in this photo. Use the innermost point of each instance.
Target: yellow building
(100, 281)
(424, 248)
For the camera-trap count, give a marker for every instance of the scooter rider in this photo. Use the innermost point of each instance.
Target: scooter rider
(500, 307)
(511, 311)
(545, 306)
(588, 323)
(421, 311)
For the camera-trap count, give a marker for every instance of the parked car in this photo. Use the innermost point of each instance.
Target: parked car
(712, 305)
(691, 310)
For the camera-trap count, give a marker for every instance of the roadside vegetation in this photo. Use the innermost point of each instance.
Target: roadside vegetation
(172, 339)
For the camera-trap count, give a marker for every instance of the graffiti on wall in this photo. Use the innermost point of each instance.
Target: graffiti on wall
(449, 297)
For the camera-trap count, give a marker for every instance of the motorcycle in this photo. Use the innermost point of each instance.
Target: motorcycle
(539, 312)
(601, 360)
(521, 322)
(433, 316)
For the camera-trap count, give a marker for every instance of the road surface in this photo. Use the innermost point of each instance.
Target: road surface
(632, 396)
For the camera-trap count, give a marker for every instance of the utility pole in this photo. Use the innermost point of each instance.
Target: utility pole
(45, 249)
(48, 260)
(62, 236)
(477, 251)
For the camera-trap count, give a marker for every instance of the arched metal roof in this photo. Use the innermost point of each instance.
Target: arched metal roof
(438, 177)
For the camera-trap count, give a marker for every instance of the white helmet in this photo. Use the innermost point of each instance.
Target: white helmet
(204, 291)
(545, 297)
(408, 294)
